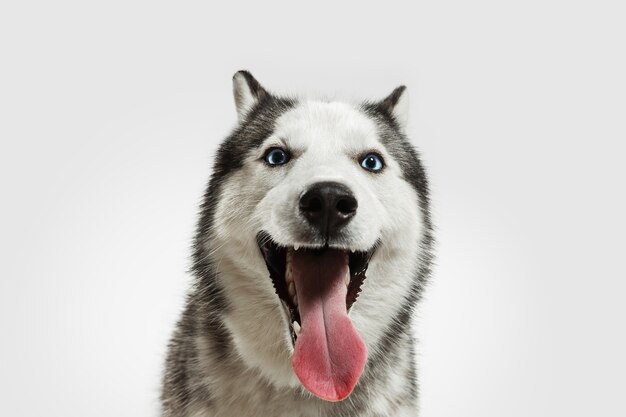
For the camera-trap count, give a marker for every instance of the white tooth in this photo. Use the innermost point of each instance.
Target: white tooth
(347, 279)
(292, 289)
(296, 247)
(296, 328)
(295, 301)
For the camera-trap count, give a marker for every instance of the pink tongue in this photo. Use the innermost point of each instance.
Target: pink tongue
(329, 354)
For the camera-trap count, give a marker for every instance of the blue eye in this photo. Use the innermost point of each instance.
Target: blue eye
(276, 156)
(372, 162)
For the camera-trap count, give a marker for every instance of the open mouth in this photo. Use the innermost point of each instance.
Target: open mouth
(317, 287)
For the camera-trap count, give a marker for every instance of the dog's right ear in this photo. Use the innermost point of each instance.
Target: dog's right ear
(248, 93)
(396, 105)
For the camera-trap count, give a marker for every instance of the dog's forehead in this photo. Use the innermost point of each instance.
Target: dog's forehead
(317, 124)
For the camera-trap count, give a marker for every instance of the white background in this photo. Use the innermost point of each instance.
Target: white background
(109, 115)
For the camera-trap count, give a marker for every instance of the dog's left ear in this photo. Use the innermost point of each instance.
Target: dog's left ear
(248, 93)
(396, 105)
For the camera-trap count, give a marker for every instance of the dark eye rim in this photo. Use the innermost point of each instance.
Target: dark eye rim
(274, 148)
(378, 155)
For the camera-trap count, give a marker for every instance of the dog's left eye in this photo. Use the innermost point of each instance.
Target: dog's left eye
(372, 162)
(276, 156)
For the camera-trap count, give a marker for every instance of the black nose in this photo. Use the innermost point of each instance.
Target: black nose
(328, 206)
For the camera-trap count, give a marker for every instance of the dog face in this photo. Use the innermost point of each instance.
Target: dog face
(333, 157)
(318, 204)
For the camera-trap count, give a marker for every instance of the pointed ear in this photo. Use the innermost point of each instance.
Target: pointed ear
(396, 105)
(248, 93)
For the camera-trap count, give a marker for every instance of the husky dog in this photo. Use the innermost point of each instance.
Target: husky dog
(312, 250)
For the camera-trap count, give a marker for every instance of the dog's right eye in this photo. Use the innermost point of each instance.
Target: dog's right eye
(276, 156)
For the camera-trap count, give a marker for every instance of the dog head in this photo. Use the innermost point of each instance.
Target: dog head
(307, 199)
